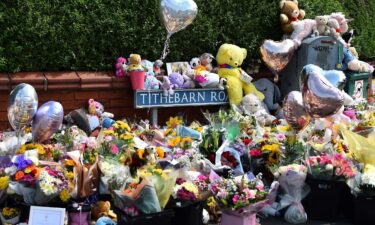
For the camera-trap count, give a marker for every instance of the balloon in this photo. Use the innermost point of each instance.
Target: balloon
(335, 77)
(320, 97)
(47, 121)
(294, 111)
(22, 105)
(177, 14)
(276, 55)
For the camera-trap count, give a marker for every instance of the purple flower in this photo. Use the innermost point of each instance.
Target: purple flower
(21, 162)
(180, 181)
(183, 194)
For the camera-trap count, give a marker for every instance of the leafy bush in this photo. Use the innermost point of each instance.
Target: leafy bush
(91, 34)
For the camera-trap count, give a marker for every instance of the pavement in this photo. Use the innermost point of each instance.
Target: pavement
(281, 221)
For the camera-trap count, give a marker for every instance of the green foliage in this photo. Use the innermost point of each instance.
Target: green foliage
(91, 34)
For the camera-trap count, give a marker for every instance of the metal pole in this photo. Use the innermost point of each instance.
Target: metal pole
(154, 116)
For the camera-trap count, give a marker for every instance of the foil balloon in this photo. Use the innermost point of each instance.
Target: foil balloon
(22, 105)
(294, 111)
(335, 77)
(276, 55)
(47, 121)
(320, 97)
(177, 14)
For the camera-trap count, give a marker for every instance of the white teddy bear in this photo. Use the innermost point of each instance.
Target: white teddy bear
(253, 106)
(321, 27)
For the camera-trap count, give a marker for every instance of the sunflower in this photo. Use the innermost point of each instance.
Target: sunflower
(31, 146)
(160, 152)
(174, 122)
(69, 162)
(126, 136)
(274, 153)
(4, 181)
(140, 153)
(186, 142)
(175, 141)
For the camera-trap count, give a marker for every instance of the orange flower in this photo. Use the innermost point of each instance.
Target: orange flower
(160, 152)
(30, 169)
(19, 175)
(69, 162)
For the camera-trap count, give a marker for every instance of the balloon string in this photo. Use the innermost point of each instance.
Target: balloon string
(166, 47)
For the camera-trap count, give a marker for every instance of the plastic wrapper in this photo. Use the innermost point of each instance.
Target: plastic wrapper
(235, 159)
(294, 190)
(9, 143)
(86, 176)
(113, 175)
(26, 192)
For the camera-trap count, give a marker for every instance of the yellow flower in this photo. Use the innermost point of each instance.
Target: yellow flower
(283, 128)
(140, 153)
(69, 162)
(126, 136)
(167, 131)
(123, 125)
(211, 202)
(69, 175)
(110, 132)
(160, 152)
(174, 122)
(115, 125)
(370, 123)
(185, 142)
(274, 153)
(340, 149)
(157, 171)
(4, 181)
(65, 195)
(175, 141)
(191, 188)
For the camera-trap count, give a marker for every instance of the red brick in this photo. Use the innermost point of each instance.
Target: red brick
(114, 94)
(94, 77)
(64, 86)
(62, 77)
(3, 116)
(123, 103)
(74, 104)
(3, 126)
(4, 95)
(96, 86)
(28, 77)
(82, 95)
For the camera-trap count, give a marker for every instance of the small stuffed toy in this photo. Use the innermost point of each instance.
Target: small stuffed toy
(253, 106)
(271, 92)
(290, 13)
(206, 79)
(167, 86)
(151, 82)
(95, 108)
(177, 80)
(230, 58)
(321, 27)
(157, 67)
(195, 63)
(102, 208)
(121, 67)
(206, 61)
(135, 63)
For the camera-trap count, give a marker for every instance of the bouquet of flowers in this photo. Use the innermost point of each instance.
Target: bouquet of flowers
(113, 176)
(185, 191)
(330, 167)
(4, 178)
(10, 215)
(292, 182)
(241, 197)
(50, 184)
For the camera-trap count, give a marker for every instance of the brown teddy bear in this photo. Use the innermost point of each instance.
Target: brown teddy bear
(290, 13)
(102, 208)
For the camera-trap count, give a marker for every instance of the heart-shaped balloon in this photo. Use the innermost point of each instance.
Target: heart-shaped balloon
(320, 97)
(277, 54)
(22, 105)
(177, 14)
(336, 77)
(294, 111)
(47, 121)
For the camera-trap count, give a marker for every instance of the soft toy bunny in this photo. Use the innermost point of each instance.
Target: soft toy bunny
(121, 67)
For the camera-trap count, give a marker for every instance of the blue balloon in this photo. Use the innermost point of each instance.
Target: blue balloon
(47, 121)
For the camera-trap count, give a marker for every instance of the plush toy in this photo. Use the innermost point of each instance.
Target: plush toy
(95, 108)
(195, 63)
(135, 63)
(151, 82)
(230, 57)
(167, 86)
(206, 79)
(290, 13)
(271, 92)
(157, 67)
(321, 27)
(348, 37)
(148, 67)
(121, 67)
(177, 80)
(206, 61)
(102, 208)
(253, 106)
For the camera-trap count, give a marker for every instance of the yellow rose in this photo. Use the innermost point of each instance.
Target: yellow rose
(4, 181)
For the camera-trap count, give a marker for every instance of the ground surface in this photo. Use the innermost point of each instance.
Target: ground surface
(280, 221)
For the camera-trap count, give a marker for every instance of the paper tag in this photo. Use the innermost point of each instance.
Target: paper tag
(94, 122)
(138, 143)
(245, 77)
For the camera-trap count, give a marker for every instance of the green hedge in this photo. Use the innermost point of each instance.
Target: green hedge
(91, 34)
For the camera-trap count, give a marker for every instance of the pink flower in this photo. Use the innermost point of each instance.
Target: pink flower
(280, 137)
(235, 199)
(260, 186)
(114, 149)
(255, 152)
(108, 138)
(250, 194)
(91, 142)
(202, 177)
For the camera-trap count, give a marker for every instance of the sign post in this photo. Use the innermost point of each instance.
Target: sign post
(155, 99)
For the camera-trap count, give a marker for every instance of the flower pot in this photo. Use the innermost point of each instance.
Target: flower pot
(191, 214)
(137, 79)
(230, 219)
(14, 220)
(323, 201)
(163, 217)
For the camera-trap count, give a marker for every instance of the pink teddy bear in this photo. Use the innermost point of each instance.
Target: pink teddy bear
(121, 67)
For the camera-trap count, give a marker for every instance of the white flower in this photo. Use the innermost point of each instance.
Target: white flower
(11, 170)
(329, 167)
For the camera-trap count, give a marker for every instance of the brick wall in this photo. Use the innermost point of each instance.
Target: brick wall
(73, 89)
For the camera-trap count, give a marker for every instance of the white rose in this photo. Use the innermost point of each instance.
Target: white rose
(329, 167)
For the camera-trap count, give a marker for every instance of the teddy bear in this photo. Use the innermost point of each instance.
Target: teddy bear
(206, 61)
(151, 82)
(135, 62)
(157, 67)
(253, 106)
(290, 13)
(167, 86)
(102, 208)
(121, 67)
(229, 58)
(321, 27)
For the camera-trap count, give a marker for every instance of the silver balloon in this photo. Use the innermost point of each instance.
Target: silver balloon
(320, 97)
(276, 55)
(335, 77)
(47, 121)
(294, 111)
(22, 105)
(177, 14)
